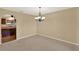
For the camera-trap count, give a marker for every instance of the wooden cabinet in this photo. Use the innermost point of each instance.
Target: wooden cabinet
(8, 34)
(8, 29)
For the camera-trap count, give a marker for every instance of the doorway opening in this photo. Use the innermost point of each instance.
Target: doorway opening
(8, 28)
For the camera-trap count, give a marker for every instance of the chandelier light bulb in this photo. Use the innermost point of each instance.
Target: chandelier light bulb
(43, 17)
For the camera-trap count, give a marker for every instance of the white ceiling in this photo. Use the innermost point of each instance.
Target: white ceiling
(34, 10)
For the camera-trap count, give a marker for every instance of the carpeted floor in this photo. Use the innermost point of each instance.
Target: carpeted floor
(38, 43)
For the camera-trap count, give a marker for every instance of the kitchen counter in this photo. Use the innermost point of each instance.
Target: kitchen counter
(7, 27)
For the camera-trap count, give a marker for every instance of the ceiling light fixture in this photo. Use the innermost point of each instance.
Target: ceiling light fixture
(40, 17)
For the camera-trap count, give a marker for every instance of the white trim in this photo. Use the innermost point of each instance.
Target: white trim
(26, 36)
(22, 37)
(59, 39)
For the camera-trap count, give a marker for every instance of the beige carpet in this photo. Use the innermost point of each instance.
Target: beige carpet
(38, 43)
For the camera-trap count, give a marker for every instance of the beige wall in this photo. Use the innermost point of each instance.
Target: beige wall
(26, 24)
(77, 12)
(61, 25)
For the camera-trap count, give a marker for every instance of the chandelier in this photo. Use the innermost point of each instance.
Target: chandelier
(40, 17)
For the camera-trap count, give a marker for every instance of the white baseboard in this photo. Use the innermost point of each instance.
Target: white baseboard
(26, 36)
(22, 38)
(59, 39)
